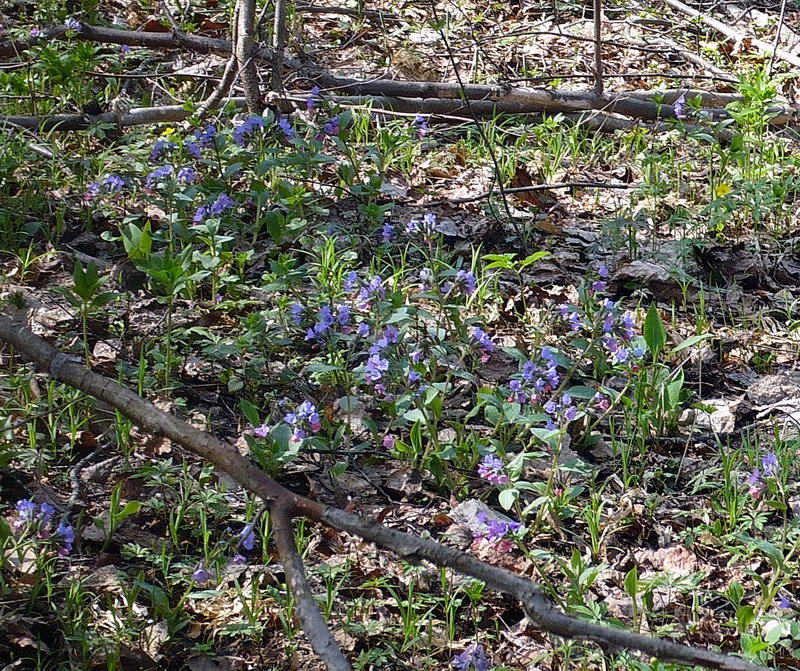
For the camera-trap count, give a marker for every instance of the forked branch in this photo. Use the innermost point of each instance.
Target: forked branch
(286, 503)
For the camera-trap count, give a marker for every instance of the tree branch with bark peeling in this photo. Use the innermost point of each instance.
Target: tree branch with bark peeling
(285, 505)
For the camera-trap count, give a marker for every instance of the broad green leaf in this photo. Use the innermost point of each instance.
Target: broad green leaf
(654, 333)
(689, 342)
(507, 498)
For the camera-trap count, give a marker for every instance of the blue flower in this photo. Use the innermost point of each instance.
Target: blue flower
(113, 183)
(68, 534)
(247, 127)
(222, 203)
(388, 230)
(770, 465)
(158, 174)
(474, 657)
(187, 174)
(375, 367)
(73, 24)
(286, 127)
(201, 576)
(350, 280)
(247, 537)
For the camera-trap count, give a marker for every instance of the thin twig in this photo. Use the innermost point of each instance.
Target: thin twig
(278, 44)
(598, 48)
(777, 39)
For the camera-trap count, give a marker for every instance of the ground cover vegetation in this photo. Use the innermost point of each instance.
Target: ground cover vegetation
(450, 267)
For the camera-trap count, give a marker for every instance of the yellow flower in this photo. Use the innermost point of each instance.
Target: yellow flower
(722, 189)
(168, 131)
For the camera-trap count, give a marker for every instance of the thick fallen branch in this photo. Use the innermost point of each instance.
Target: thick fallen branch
(305, 607)
(529, 99)
(64, 369)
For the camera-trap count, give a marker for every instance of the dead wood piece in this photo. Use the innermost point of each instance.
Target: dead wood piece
(734, 34)
(64, 369)
(306, 608)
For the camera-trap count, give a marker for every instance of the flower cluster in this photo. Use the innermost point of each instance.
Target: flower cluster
(495, 529)
(473, 658)
(426, 228)
(311, 101)
(202, 139)
(158, 174)
(483, 343)
(536, 379)
(219, 206)
(109, 184)
(562, 410)
(421, 124)
(305, 418)
(770, 468)
(73, 24)
(464, 280)
(491, 469)
(246, 128)
(39, 518)
(325, 322)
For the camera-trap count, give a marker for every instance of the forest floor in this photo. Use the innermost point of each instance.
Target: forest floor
(596, 387)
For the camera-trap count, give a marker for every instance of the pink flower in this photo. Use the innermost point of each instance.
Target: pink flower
(388, 441)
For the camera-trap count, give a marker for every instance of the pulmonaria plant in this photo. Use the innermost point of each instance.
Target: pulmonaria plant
(497, 532)
(760, 478)
(37, 520)
(472, 659)
(492, 470)
(303, 420)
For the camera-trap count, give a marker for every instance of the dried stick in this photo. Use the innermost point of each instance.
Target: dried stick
(734, 34)
(538, 187)
(69, 371)
(777, 41)
(306, 608)
(598, 48)
(228, 76)
(245, 56)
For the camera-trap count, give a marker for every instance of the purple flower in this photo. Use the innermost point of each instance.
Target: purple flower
(363, 330)
(123, 51)
(237, 560)
(421, 124)
(200, 214)
(222, 203)
(46, 512)
(755, 477)
(350, 280)
(680, 107)
(25, 509)
(73, 24)
(201, 576)
(374, 288)
(388, 441)
(187, 174)
(332, 127)
(113, 183)
(194, 149)
(467, 280)
(311, 101)
(343, 315)
(286, 127)
(388, 230)
(248, 126)
(482, 339)
(603, 271)
(473, 658)
(68, 534)
(247, 537)
(599, 285)
(157, 174)
(261, 431)
(785, 603)
(206, 136)
(769, 464)
(491, 470)
(297, 313)
(36, 32)
(375, 367)
(414, 376)
(161, 145)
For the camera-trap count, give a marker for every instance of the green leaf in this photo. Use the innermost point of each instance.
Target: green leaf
(250, 411)
(507, 498)
(414, 415)
(631, 583)
(689, 342)
(131, 508)
(533, 258)
(654, 333)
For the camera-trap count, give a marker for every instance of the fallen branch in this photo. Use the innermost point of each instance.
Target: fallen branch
(529, 99)
(62, 368)
(305, 608)
(228, 75)
(734, 34)
(537, 187)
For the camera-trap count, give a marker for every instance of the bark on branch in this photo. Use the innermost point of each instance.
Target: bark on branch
(67, 370)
